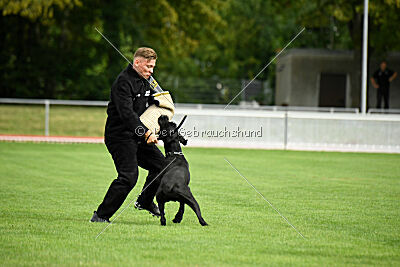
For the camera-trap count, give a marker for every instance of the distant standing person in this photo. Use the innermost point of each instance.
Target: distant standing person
(381, 81)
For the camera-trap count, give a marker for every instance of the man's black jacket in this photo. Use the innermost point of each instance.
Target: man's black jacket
(129, 98)
(382, 78)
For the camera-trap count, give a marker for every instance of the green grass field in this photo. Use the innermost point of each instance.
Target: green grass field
(346, 205)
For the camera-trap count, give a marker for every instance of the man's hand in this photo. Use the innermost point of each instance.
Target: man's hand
(150, 137)
(393, 77)
(374, 84)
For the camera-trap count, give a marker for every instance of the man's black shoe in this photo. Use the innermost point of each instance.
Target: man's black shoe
(152, 208)
(96, 218)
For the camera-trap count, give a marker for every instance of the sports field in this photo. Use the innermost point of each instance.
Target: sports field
(347, 205)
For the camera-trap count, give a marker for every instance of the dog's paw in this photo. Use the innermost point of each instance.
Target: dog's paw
(204, 223)
(177, 220)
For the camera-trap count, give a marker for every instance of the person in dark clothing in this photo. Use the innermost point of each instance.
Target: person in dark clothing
(381, 81)
(128, 140)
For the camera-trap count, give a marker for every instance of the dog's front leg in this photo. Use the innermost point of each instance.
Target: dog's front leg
(179, 214)
(161, 206)
(162, 219)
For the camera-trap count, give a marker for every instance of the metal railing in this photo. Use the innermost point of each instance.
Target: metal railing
(48, 102)
(300, 128)
(243, 106)
(269, 108)
(383, 111)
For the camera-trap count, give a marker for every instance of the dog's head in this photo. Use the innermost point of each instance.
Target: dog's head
(169, 132)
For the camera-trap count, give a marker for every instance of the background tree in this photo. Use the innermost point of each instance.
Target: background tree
(50, 49)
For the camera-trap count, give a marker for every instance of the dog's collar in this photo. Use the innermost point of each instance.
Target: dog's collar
(174, 153)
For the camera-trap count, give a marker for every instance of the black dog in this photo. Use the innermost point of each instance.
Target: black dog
(174, 184)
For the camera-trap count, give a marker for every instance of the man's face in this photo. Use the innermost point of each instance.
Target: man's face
(144, 66)
(383, 65)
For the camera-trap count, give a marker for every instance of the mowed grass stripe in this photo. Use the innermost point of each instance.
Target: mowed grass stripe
(346, 204)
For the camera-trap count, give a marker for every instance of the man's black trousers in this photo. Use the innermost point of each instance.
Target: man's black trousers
(127, 155)
(383, 92)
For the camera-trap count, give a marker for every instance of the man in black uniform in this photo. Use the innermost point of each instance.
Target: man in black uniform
(128, 140)
(381, 80)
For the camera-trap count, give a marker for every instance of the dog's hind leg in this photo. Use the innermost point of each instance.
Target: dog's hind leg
(179, 214)
(189, 199)
(161, 206)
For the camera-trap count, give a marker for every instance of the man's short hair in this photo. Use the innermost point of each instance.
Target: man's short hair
(146, 53)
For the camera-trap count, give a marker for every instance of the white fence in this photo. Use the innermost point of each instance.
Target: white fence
(292, 130)
(295, 128)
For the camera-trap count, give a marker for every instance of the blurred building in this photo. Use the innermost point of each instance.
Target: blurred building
(327, 78)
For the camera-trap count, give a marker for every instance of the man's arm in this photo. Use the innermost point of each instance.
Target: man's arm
(374, 84)
(393, 76)
(123, 100)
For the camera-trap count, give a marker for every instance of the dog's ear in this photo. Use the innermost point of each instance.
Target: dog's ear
(180, 124)
(182, 140)
(163, 121)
